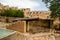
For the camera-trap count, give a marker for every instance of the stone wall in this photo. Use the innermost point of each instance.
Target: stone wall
(40, 26)
(38, 14)
(26, 11)
(41, 23)
(2, 19)
(10, 19)
(17, 26)
(56, 21)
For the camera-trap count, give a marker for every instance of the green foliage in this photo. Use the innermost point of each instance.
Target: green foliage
(56, 26)
(12, 13)
(19, 13)
(54, 7)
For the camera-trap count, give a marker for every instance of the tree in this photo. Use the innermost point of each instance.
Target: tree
(12, 13)
(54, 7)
(2, 13)
(20, 13)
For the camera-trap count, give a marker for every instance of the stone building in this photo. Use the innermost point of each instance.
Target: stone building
(26, 11)
(3, 7)
(35, 14)
(6, 7)
(39, 14)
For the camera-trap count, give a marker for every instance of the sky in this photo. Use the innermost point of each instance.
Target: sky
(37, 5)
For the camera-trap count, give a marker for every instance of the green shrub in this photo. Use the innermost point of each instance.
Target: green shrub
(56, 26)
(12, 13)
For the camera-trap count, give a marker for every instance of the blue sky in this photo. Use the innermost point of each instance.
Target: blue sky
(32, 4)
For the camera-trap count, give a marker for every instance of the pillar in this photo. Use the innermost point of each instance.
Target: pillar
(24, 26)
(27, 26)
